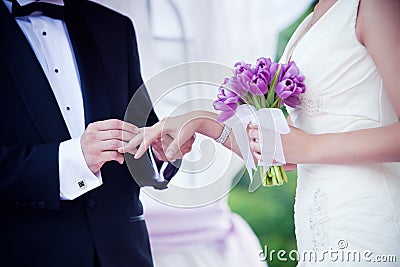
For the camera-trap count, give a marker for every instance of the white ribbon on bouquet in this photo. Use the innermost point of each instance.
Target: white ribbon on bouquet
(272, 123)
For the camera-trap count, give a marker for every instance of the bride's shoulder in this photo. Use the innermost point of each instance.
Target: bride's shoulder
(378, 27)
(374, 16)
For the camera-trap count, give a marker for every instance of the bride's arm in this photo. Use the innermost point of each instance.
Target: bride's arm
(213, 129)
(356, 147)
(378, 29)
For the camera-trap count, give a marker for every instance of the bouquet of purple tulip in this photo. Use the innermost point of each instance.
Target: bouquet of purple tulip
(268, 84)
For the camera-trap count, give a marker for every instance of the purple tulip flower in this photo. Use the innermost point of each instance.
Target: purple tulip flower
(256, 80)
(227, 102)
(259, 83)
(243, 68)
(290, 84)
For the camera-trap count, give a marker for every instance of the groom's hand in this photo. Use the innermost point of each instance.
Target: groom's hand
(101, 140)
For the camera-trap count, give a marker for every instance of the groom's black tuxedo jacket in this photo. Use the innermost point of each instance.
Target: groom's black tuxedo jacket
(36, 228)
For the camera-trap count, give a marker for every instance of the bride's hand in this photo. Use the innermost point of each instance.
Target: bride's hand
(294, 145)
(253, 135)
(180, 128)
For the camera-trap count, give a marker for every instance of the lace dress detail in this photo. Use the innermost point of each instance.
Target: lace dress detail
(311, 106)
(318, 220)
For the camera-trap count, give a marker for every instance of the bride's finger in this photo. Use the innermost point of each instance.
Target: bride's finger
(130, 128)
(255, 147)
(257, 155)
(174, 149)
(253, 126)
(131, 147)
(127, 137)
(254, 134)
(150, 135)
(290, 167)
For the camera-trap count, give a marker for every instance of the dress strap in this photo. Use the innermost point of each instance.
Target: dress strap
(287, 54)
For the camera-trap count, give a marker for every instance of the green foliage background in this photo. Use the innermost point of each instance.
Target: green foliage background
(269, 212)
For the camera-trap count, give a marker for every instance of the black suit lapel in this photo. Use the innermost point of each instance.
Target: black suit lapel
(92, 75)
(31, 80)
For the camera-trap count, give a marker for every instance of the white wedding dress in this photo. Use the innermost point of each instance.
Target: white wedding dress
(343, 207)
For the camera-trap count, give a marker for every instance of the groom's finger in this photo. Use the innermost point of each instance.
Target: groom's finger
(115, 135)
(113, 124)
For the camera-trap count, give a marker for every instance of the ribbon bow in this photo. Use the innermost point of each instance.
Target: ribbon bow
(272, 123)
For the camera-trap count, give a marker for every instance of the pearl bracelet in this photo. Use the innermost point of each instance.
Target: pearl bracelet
(224, 135)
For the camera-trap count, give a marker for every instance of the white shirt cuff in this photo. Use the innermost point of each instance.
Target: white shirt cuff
(159, 175)
(76, 178)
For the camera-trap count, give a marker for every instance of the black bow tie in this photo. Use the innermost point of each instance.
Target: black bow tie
(49, 10)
